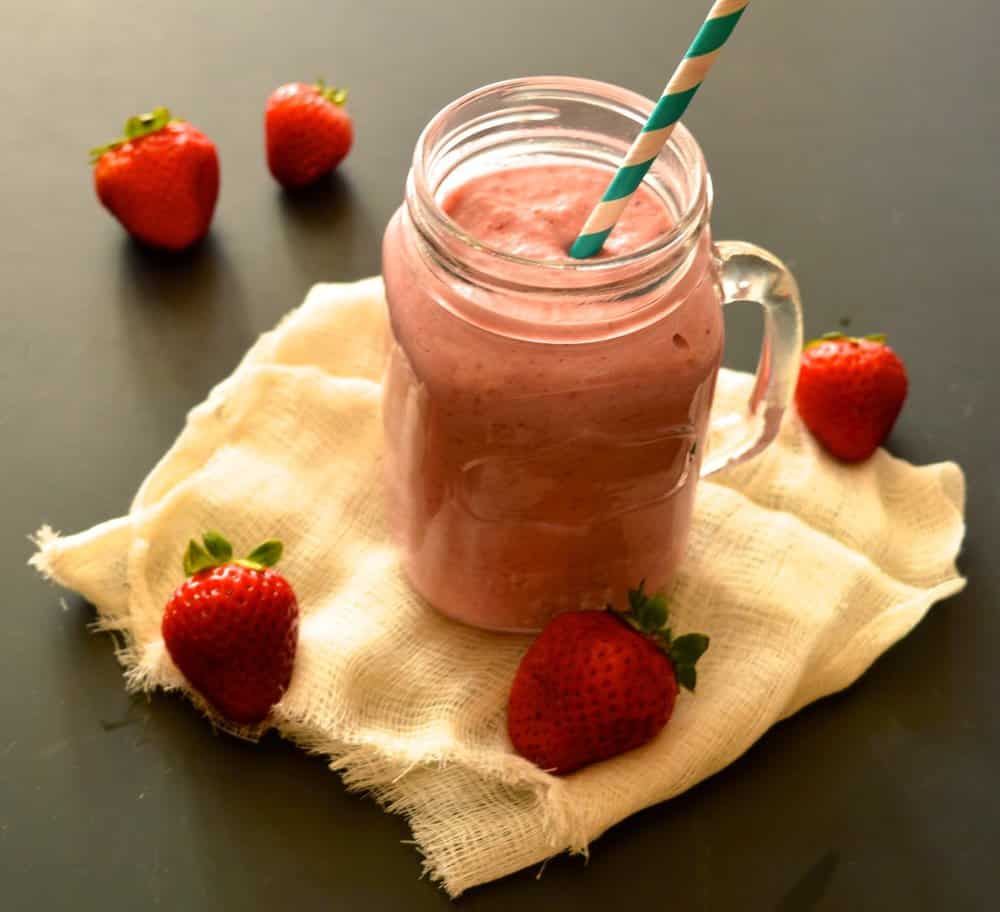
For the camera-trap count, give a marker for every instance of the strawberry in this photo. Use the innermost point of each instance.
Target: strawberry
(160, 180)
(232, 628)
(308, 132)
(598, 683)
(850, 393)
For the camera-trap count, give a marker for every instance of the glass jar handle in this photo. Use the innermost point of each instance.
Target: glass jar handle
(750, 273)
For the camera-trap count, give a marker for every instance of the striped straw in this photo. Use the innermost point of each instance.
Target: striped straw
(688, 76)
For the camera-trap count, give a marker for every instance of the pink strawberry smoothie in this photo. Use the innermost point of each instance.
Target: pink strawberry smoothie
(534, 211)
(529, 477)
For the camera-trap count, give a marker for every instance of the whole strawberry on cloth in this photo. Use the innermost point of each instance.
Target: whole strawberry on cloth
(160, 179)
(599, 683)
(308, 132)
(232, 628)
(850, 392)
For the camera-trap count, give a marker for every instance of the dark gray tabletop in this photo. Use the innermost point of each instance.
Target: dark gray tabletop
(858, 140)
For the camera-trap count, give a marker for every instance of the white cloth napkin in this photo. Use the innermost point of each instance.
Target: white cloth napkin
(802, 570)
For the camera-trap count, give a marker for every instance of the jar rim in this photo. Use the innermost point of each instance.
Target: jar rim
(662, 249)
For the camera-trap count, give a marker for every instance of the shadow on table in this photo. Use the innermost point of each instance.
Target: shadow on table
(183, 322)
(184, 280)
(328, 230)
(323, 204)
(811, 887)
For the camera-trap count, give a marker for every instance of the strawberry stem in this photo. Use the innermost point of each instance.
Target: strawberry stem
(196, 559)
(217, 546)
(214, 550)
(648, 615)
(331, 93)
(135, 128)
(268, 553)
(837, 336)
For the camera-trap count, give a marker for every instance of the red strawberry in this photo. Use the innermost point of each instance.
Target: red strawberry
(850, 393)
(598, 683)
(232, 628)
(160, 180)
(308, 132)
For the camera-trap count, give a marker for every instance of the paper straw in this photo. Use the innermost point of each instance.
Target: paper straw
(688, 76)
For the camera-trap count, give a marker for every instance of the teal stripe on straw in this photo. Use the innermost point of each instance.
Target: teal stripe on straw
(669, 109)
(625, 181)
(713, 34)
(587, 245)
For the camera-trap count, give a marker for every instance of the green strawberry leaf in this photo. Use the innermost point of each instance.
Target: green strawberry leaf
(217, 546)
(687, 649)
(636, 597)
(196, 559)
(331, 93)
(686, 676)
(840, 337)
(640, 613)
(826, 337)
(665, 637)
(649, 612)
(649, 615)
(144, 124)
(267, 554)
(135, 127)
(654, 614)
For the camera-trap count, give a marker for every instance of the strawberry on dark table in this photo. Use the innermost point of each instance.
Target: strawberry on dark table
(160, 180)
(308, 132)
(232, 628)
(598, 683)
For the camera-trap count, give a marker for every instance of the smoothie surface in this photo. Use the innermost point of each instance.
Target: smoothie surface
(535, 211)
